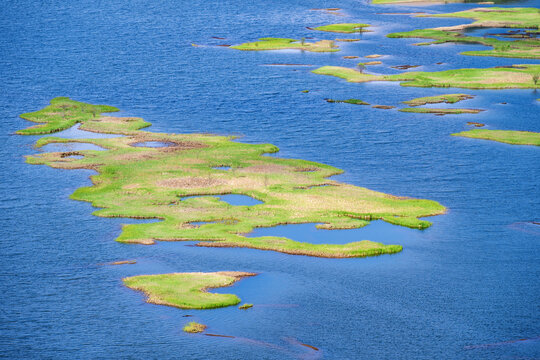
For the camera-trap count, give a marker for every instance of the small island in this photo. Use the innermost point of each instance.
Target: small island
(194, 327)
(187, 290)
(506, 77)
(441, 111)
(348, 101)
(271, 43)
(345, 28)
(505, 136)
(437, 99)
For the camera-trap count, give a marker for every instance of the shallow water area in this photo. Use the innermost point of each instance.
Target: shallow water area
(70, 146)
(503, 34)
(75, 132)
(378, 231)
(153, 144)
(231, 199)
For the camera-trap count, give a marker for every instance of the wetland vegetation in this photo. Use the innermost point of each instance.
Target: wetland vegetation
(187, 290)
(505, 136)
(154, 183)
(524, 18)
(270, 43)
(504, 77)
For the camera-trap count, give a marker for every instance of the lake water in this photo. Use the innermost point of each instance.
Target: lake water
(466, 288)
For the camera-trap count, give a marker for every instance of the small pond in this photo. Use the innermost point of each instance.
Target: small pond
(231, 199)
(153, 144)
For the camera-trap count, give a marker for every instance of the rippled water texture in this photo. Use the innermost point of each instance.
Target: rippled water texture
(466, 288)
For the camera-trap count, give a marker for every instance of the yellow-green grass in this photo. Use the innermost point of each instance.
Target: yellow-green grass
(283, 43)
(245, 306)
(514, 77)
(194, 327)
(187, 290)
(505, 136)
(346, 28)
(148, 183)
(62, 114)
(441, 111)
(486, 18)
(437, 99)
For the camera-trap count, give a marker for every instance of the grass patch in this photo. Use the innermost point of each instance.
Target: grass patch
(283, 43)
(511, 77)
(505, 136)
(486, 18)
(346, 28)
(148, 183)
(348, 101)
(187, 290)
(194, 327)
(62, 114)
(437, 99)
(441, 111)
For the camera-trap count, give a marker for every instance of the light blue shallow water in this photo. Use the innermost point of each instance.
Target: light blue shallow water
(465, 288)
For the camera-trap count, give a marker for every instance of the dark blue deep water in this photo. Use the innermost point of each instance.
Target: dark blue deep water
(466, 288)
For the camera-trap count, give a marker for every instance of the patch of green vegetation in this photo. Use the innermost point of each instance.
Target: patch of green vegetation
(62, 114)
(187, 290)
(348, 101)
(437, 99)
(511, 77)
(505, 136)
(441, 111)
(149, 183)
(282, 43)
(347, 28)
(194, 327)
(486, 18)
(245, 306)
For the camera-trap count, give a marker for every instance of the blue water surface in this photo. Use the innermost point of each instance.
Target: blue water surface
(466, 288)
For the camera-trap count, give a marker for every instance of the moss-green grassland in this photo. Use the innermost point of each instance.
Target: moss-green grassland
(187, 290)
(437, 99)
(441, 111)
(283, 44)
(525, 18)
(505, 136)
(346, 28)
(194, 327)
(513, 77)
(149, 183)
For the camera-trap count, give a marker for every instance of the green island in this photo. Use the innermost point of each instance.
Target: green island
(505, 136)
(441, 111)
(153, 183)
(437, 99)
(348, 101)
(271, 43)
(525, 18)
(194, 327)
(505, 77)
(346, 28)
(187, 290)
(245, 306)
